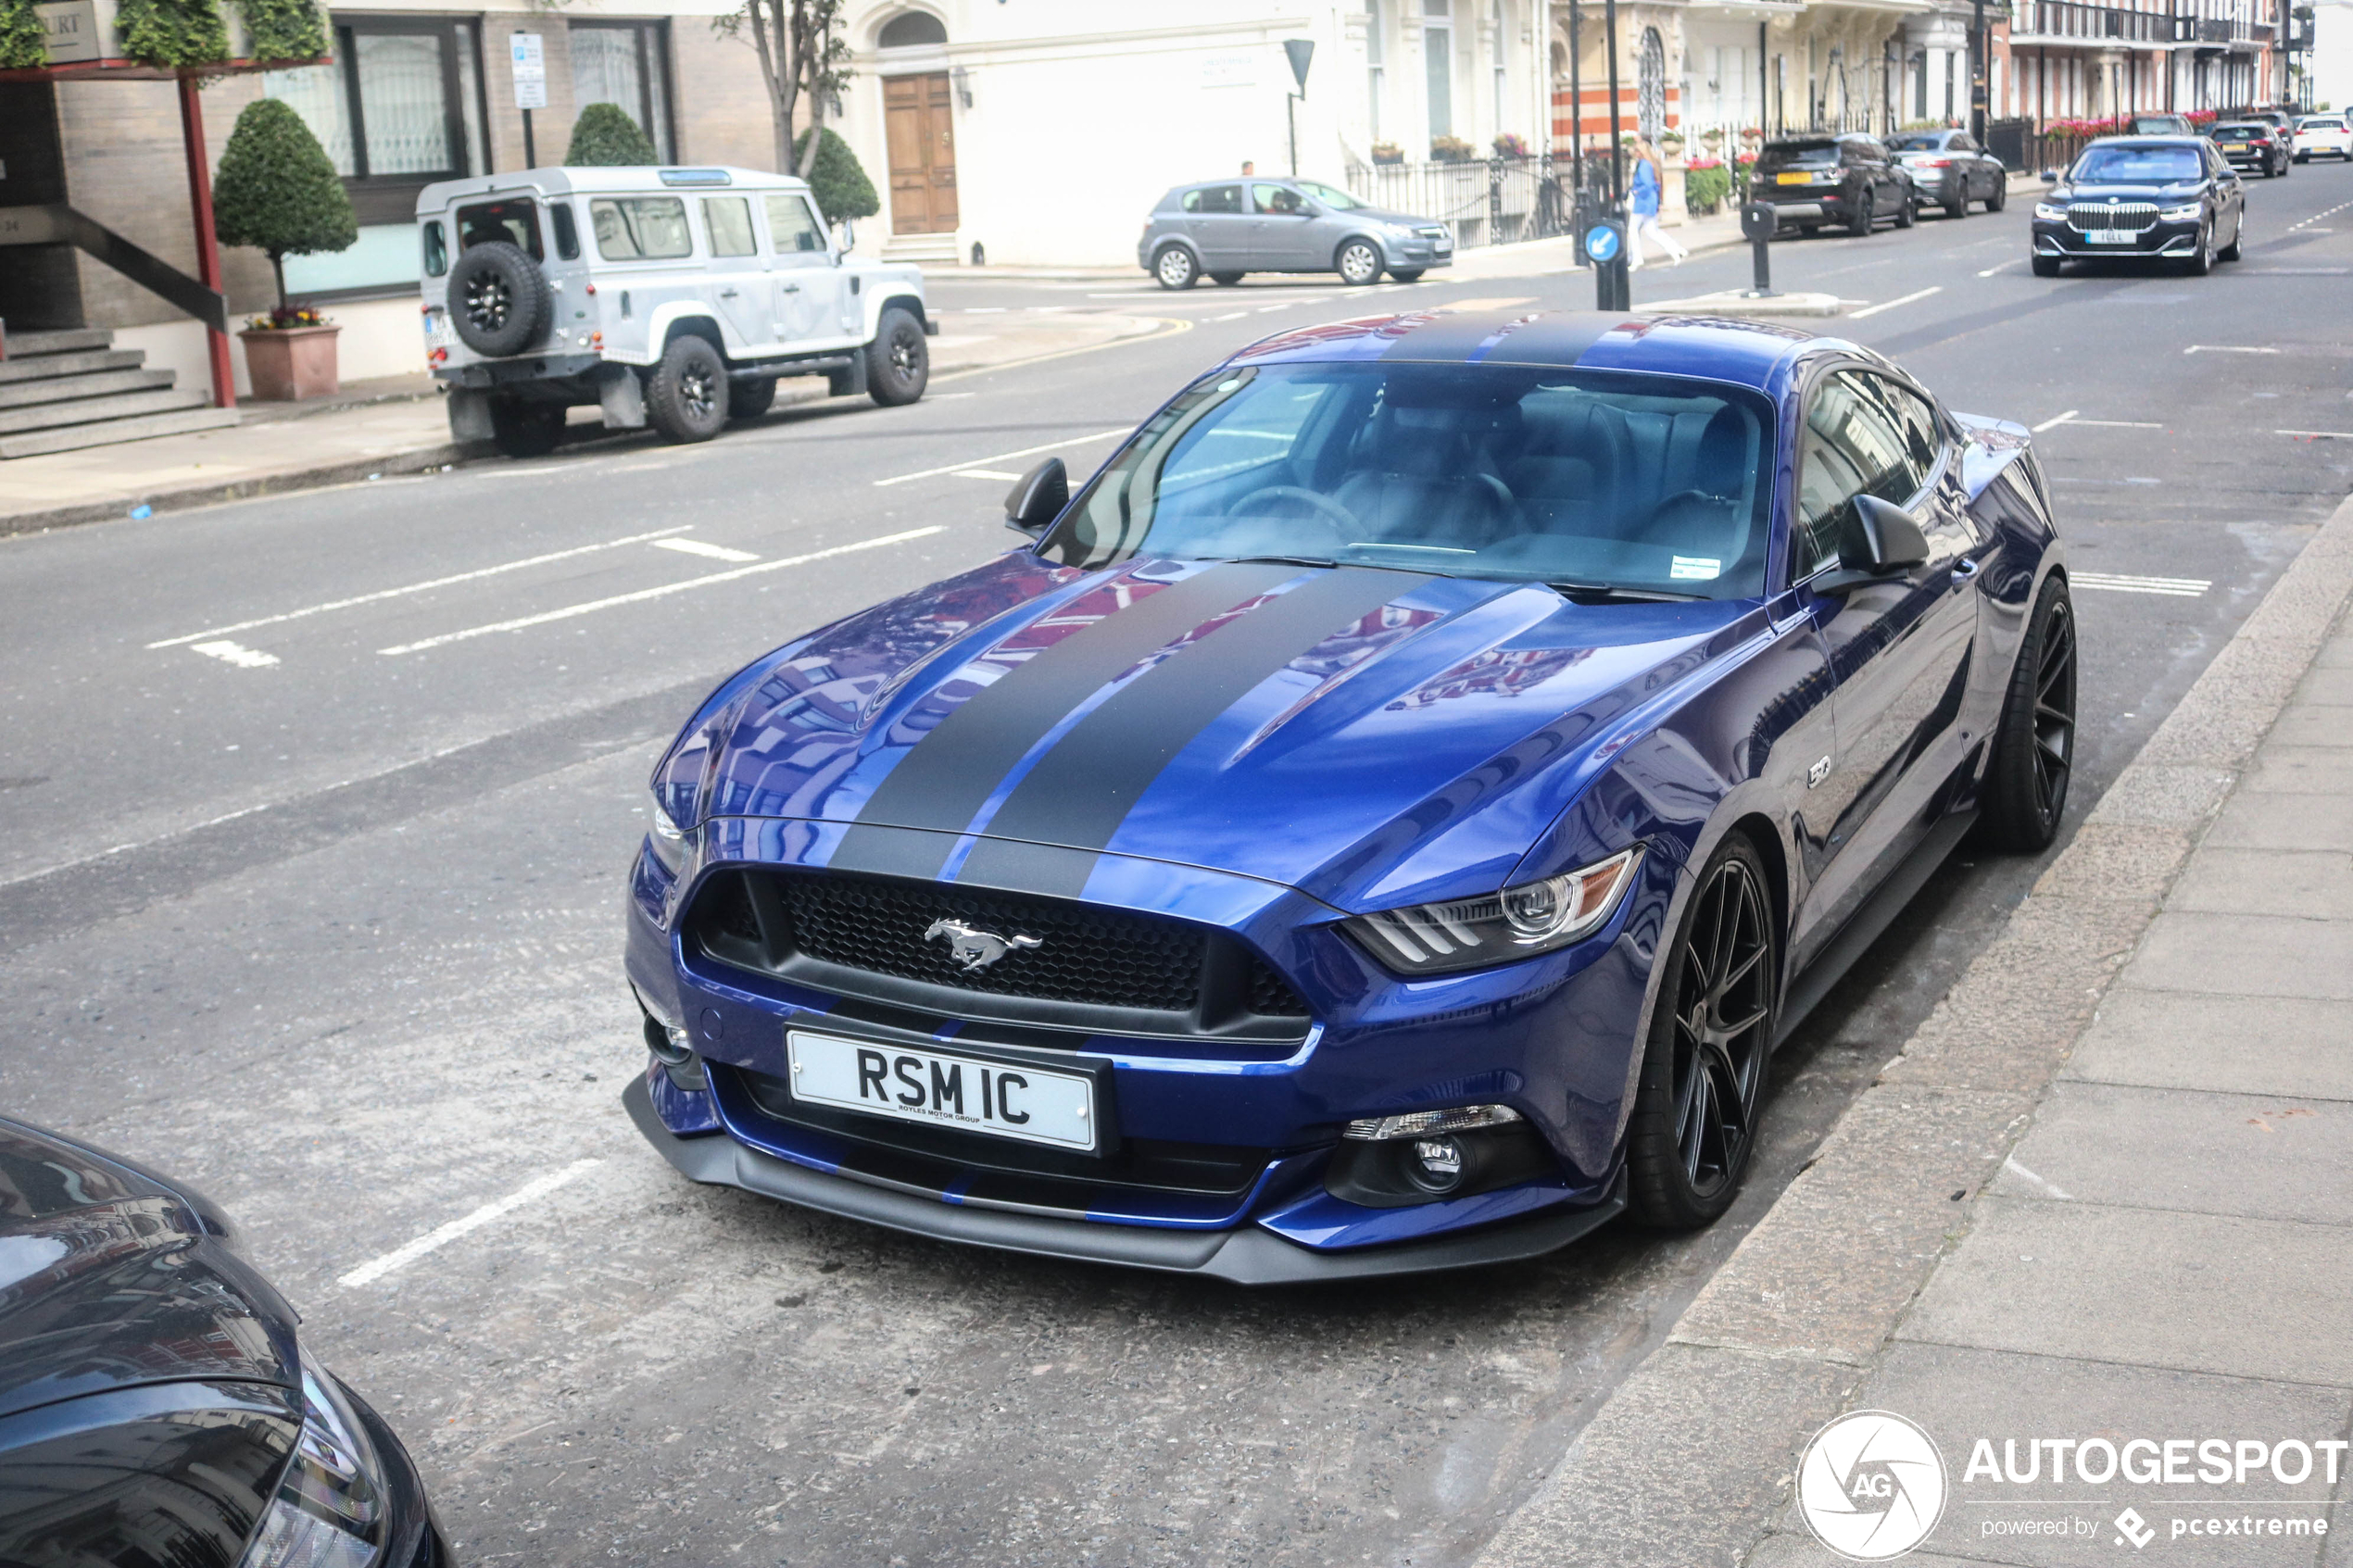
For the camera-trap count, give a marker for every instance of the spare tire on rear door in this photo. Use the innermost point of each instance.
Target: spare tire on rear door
(499, 299)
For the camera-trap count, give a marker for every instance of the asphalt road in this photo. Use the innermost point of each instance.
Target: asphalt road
(318, 809)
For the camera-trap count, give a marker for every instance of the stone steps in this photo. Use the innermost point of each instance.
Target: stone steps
(66, 389)
(94, 412)
(105, 432)
(61, 340)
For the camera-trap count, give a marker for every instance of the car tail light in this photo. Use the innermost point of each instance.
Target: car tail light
(1935, 162)
(441, 357)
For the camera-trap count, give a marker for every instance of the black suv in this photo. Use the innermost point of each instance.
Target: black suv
(1948, 167)
(2141, 198)
(1845, 179)
(2254, 144)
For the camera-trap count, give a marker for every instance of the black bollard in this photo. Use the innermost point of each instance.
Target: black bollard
(1758, 221)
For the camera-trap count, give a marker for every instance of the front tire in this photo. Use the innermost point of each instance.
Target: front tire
(1358, 263)
(519, 429)
(1859, 226)
(687, 395)
(2000, 195)
(1175, 269)
(898, 361)
(2025, 792)
(1695, 1121)
(1908, 211)
(2201, 260)
(2231, 252)
(749, 399)
(1957, 209)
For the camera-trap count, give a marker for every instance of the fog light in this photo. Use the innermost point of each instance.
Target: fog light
(1438, 1164)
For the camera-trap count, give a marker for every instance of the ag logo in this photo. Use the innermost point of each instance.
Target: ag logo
(1871, 1485)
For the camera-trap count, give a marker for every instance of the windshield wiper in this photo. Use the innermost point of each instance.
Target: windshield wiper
(1278, 560)
(1601, 593)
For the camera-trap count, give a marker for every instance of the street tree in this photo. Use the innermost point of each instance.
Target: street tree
(277, 191)
(605, 137)
(798, 55)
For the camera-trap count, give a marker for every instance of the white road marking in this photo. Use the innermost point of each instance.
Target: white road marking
(1233, 317)
(1990, 270)
(2320, 434)
(999, 456)
(1892, 304)
(238, 654)
(1278, 305)
(2226, 349)
(2056, 420)
(2109, 582)
(442, 1235)
(704, 548)
(417, 587)
(2038, 1181)
(2331, 212)
(998, 474)
(524, 622)
(2118, 424)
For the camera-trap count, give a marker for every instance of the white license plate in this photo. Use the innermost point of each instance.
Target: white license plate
(437, 333)
(940, 1090)
(2110, 237)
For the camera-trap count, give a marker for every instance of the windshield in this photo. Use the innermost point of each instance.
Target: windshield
(1822, 156)
(2136, 166)
(1339, 201)
(2240, 132)
(1647, 484)
(1918, 140)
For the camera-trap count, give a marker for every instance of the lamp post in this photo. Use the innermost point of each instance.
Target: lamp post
(1980, 46)
(1612, 287)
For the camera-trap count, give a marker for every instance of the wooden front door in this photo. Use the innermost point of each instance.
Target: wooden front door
(923, 154)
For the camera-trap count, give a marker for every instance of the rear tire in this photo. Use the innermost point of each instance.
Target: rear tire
(1859, 225)
(2025, 790)
(1703, 1080)
(898, 361)
(1225, 280)
(1959, 209)
(1908, 211)
(2231, 252)
(2000, 195)
(1358, 263)
(1175, 269)
(749, 399)
(525, 430)
(2046, 266)
(687, 395)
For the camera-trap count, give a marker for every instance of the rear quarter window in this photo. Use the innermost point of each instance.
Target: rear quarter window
(514, 220)
(640, 228)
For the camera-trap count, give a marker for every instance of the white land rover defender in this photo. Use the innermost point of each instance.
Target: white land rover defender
(673, 298)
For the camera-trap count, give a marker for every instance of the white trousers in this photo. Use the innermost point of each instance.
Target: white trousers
(1649, 226)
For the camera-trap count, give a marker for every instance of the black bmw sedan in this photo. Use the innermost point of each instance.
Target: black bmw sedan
(2141, 199)
(154, 1406)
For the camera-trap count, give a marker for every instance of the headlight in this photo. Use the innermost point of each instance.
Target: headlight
(2186, 214)
(329, 1511)
(2050, 213)
(667, 841)
(1494, 928)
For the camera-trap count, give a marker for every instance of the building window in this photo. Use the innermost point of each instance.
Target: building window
(628, 64)
(1438, 56)
(912, 30)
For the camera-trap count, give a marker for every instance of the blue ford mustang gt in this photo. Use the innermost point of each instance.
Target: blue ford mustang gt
(1385, 820)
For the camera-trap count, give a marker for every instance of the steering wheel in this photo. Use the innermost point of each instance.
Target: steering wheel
(1320, 502)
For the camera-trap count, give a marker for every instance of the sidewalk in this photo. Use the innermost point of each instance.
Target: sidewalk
(399, 427)
(2104, 1194)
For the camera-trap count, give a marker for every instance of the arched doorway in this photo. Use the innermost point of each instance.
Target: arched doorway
(1650, 94)
(917, 127)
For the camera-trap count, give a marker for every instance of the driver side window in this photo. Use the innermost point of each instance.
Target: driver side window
(1852, 445)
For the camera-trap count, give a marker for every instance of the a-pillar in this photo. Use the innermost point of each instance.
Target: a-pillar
(224, 378)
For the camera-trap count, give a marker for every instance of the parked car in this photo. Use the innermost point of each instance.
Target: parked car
(1850, 180)
(1386, 821)
(156, 1403)
(1949, 167)
(2143, 198)
(676, 298)
(2158, 125)
(2254, 143)
(2323, 133)
(2283, 124)
(1225, 228)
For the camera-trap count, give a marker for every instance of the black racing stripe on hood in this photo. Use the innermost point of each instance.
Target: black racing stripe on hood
(950, 774)
(1082, 789)
(1552, 337)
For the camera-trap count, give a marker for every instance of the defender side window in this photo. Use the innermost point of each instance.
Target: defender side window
(436, 249)
(793, 227)
(729, 221)
(566, 230)
(640, 228)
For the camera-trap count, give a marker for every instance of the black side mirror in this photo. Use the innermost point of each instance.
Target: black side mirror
(2050, 177)
(1882, 538)
(1037, 497)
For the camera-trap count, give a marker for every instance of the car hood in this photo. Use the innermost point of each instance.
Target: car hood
(1383, 214)
(1363, 735)
(110, 1277)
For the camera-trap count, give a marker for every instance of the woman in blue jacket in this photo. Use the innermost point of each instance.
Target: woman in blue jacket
(1648, 180)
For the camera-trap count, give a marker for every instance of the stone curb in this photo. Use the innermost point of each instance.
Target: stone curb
(1690, 1459)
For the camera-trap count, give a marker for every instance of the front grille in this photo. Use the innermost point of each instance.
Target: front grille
(1083, 966)
(2126, 218)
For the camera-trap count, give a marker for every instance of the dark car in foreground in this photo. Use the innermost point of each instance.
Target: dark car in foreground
(1226, 229)
(1385, 822)
(2141, 198)
(156, 1406)
(2256, 144)
(1949, 168)
(1849, 180)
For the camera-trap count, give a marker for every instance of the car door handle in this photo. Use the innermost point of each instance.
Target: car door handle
(792, 288)
(726, 294)
(1963, 569)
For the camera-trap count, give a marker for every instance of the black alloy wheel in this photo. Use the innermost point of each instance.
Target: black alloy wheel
(898, 361)
(1860, 224)
(499, 301)
(1695, 1107)
(2025, 791)
(687, 395)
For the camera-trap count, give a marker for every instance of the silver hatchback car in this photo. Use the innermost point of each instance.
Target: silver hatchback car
(1225, 228)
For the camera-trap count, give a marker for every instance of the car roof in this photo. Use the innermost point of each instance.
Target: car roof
(1755, 353)
(2144, 141)
(648, 178)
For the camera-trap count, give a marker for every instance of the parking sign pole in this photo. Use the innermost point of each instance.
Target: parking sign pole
(529, 59)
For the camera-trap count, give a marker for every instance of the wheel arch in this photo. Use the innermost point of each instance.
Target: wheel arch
(911, 303)
(1352, 237)
(682, 319)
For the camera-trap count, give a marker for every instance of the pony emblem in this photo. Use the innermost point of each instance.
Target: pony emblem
(975, 949)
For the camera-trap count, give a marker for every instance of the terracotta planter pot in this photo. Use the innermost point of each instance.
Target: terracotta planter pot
(289, 364)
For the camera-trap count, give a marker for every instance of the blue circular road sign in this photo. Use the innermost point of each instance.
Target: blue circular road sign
(1603, 242)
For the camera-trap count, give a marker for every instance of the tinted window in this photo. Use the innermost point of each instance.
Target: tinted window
(516, 222)
(566, 230)
(2135, 165)
(640, 228)
(1215, 198)
(437, 250)
(793, 228)
(1641, 483)
(1816, 155)
(1852, 445)
(729, 221)
(1918, 140)
(1961, 144)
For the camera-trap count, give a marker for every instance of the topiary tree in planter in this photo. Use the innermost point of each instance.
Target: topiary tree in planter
(605, 137)
(277, 192)
(835, 178)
